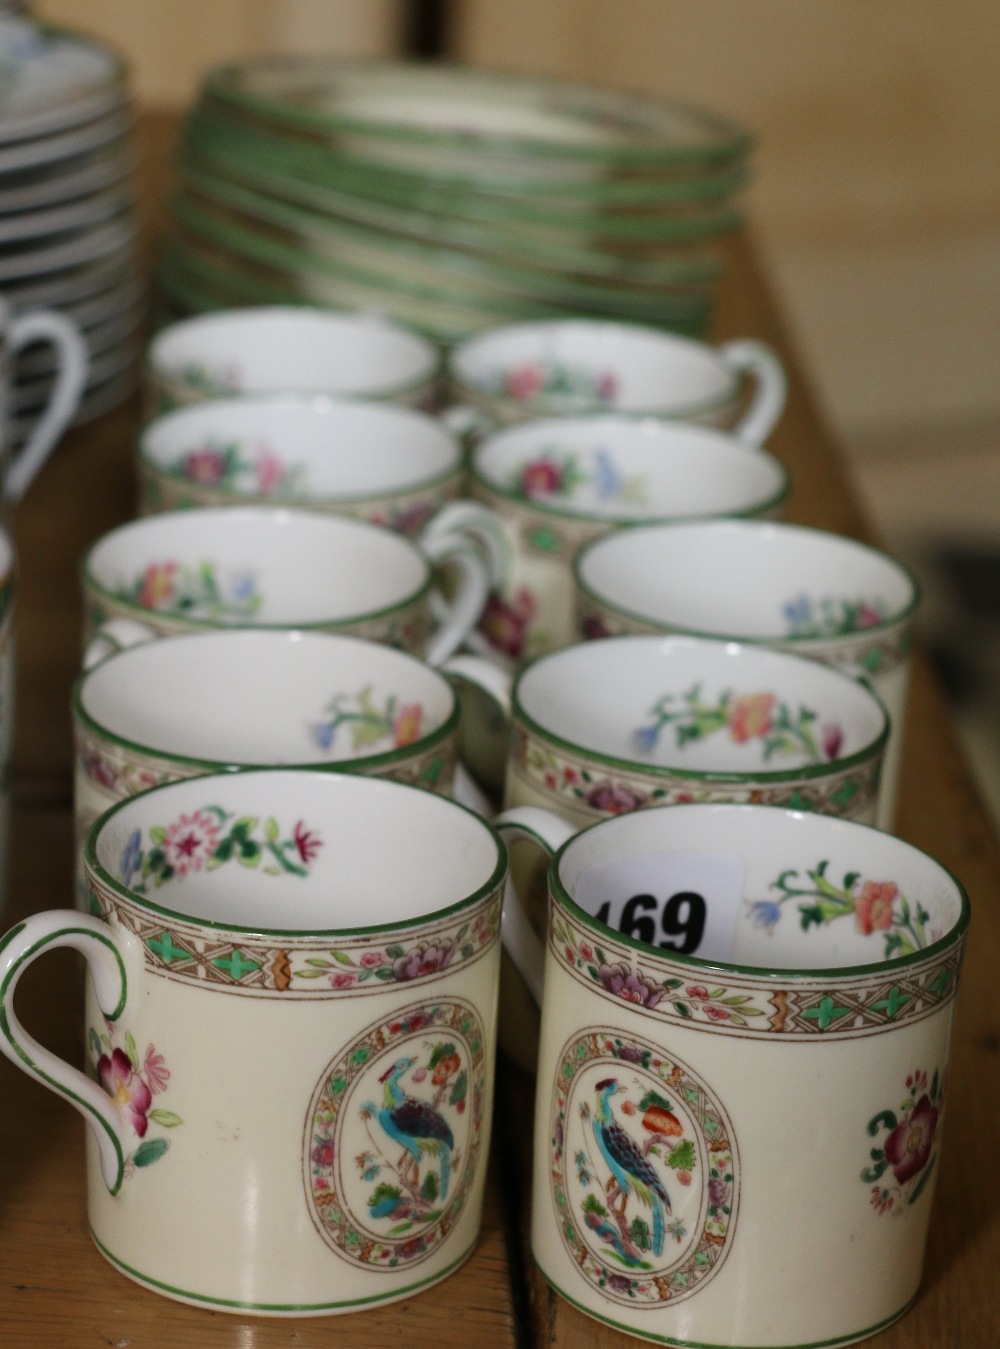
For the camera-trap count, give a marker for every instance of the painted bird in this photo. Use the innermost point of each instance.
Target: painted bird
(630, 1170)
(415, 1125)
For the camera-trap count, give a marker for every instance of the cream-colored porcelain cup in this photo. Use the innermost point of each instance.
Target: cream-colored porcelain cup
(746, 1029)
(555, 484)
(560, 367)
(284, 349)
(7, 707)
(791, 588)
(389, 465)
(265, 567)
(290, 1025)
(203, 703)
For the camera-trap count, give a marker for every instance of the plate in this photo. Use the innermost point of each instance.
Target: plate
(52, 186)
(92, 210)
(73, 285)
(51, 149)
(52, 80)
(114, 239)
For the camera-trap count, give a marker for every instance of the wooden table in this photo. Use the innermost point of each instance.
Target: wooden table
(56, 1290)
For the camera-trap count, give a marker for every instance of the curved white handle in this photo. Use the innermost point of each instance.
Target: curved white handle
(116, 634)
(768, 402)
(100, 947)
(495, 682)
(72, 364)
(521, 942)
(472, 538)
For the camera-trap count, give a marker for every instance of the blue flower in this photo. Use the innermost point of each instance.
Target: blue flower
(798, 613)
(244, 586)
(322, 733)
(646, 738)
(607, 479)
(131, 857)
(765, 913)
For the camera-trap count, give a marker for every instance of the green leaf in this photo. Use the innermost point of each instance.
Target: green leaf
(383, 973)
(439, 1052)
(158, 834)
(244, 826)
(394, 952)
(131, 1051)
(639, 1232)
(399, 1229)
(271, 830)
(918, 1189)
(150, 1151)
(222, 853)
(682, 1157)
(319, 962)
(682, 1008)
(593, 1205)
(342, 958)
(429, 1189)
(249, 856)
(654, 1098)
(165, 1117)
(459, 1089)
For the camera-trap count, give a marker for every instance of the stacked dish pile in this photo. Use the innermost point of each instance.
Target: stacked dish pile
(450, 199)
(67, 227)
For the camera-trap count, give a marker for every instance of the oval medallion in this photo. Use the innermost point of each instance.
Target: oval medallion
(644, 1169)
(393, 1135)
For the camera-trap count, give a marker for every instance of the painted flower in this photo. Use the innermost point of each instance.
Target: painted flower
(445, 1067)
(524, 381)
(646, 738)
(307, 842)
(323, 1153)
(717, 1013)
(909, 1145)
(718, 1193)
(205, 465)
(614, 798)
(126, 1088)
(158, 585)
(619, 1283)
(406, 725)
(697, 993)
(629, 1053)
(606, 386)
(868, 616)
(157, 1072)
(630, 985)
(423, 960)
(190, 842)
(607, 478)
(371, 960)
(343, 979)
(504, 623)
(764, 914)
(832, 739)
(882, 1201)
(750, 716)
(873, 911)
(798, 611)
(131, 856)
(541, 477)
(270, 471)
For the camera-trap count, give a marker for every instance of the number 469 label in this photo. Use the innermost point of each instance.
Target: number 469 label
(683, 902)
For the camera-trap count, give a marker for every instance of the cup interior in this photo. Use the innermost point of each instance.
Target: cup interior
(744, 578)
(265, 698)
(256, 567)
(621, 468)
(285, 350)
(695, 707)
(813, 893)
(334, 852)
(301, 447)
(586, 363)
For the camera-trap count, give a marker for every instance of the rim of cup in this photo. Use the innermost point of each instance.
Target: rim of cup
(763, 775)
(422, 355)
(732, 526)
(374, 785)
(766, 815)
(701, 441)
(536, 332)
(158, 651)
(162, 442)
(235, 516)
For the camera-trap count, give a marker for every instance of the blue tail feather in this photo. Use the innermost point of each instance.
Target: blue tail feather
(657, 1226)
(445, 1169)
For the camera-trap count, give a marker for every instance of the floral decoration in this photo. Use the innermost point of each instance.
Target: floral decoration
(207, 838)
(133, 1083)
(365, 724)
(747, 717)
(235, 467)
(908, 1149)
(830, 616)
(877, 906)
(541, 378)
(507, 621)
(197, 591)
(562, 475)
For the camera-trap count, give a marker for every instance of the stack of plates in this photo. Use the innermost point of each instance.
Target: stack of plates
(448, 199)
(67, 227)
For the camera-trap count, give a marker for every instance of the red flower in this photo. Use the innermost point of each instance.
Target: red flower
(307, 842)
(909, 1145)
(541, 478)
(750, 716)
(205, 466)
(586, 951)
(126, 1088)
(570, 774)
(697, 993)
(322, 1154)
(717, 1013)
(504, 623)
(524, 381)
(874, 907)
(343, 979)
(833, 738)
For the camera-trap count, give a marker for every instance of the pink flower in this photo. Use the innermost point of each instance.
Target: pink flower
(419, 1074)
(423, 960)
(307, 842)
(190, 842)
(586, 951)
(697, 993)
(157, 588)
(873, 911)
(868, 616)
(343, 979)
(157, 1074)
(541, 478)
(206, 466)
(322, 1154)
(606, 385)
(717, 1013)
(750, 716)
(630, 985)
(372, 959)
(615, 799)
(406, 725)
(524, 381)
(833, 738)
(270, 471)
(909, 1145)
(126, 1088)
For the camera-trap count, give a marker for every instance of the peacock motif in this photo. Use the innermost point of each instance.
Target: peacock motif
(631, 1173)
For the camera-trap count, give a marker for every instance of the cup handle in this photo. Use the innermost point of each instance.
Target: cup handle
(116, 634)
(471, 538)
(467, 424)
(748, 357)
(483, 745)
(102, 950)
(73, 362)
(521, 942)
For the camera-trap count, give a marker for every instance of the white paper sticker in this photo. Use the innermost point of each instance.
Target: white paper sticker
(685, 902)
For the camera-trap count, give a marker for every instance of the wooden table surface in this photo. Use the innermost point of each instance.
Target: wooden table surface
(57, 1290)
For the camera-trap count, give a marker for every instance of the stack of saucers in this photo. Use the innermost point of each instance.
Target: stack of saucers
(67, 227)
(450, 199)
